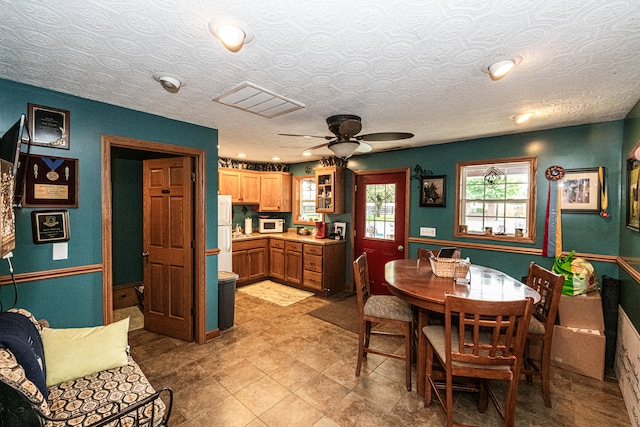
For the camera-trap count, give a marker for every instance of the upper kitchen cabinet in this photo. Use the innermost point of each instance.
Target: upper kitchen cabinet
(330, 185)
(243, 186)
(275, 192)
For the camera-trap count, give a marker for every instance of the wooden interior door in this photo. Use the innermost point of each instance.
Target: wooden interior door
(380, 216)
(168, 233)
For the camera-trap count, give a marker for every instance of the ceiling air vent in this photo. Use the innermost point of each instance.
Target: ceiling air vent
(256, 100)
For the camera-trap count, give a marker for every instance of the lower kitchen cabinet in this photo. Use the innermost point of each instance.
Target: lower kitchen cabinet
(250, 260)
(293, 263)
(324, 267)
(276, 259)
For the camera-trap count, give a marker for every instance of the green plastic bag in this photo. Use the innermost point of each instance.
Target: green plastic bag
(579, 275)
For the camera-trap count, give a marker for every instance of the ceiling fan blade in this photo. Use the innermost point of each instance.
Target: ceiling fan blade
(384, 136)
(316, 147)
(307, 136)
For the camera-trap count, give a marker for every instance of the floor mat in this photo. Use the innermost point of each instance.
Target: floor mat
(341, 312)
(275, 292)
(136, 318)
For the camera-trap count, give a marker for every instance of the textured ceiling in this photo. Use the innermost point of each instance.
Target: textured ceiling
(408, 66)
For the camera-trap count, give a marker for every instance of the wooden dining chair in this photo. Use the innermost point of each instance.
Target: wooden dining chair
(380, 309)
(487, 342)
(549, 285)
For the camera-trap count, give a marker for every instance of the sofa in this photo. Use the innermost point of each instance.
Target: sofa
(73, 377)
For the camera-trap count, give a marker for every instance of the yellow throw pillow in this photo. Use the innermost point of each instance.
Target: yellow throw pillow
(75, 352)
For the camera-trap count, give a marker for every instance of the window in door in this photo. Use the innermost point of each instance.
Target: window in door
(496, 199)
(304, 206)
(381, 211)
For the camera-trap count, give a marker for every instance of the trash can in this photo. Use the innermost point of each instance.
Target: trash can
(226, 298)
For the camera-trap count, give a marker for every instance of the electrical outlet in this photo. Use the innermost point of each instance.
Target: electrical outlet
(428, 231)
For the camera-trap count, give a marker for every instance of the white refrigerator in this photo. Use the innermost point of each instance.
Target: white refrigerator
(225, 218)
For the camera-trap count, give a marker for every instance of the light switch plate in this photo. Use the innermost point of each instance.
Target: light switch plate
(60, 251)
(428, 231)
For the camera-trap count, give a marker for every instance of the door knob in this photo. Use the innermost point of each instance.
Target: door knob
(400, 248)
(145, 254)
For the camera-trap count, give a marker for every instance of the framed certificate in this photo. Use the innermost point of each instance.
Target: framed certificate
(48, 181)
(49, 127)
(50, 226)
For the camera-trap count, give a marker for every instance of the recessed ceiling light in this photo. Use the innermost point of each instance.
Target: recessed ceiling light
(501, 67)
(169, 83)
(306, 153)
(275, 159)
(232, 33)
(242, 155)
(521, 118)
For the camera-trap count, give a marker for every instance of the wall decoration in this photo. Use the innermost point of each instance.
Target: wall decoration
(49, 127)
(340, 230)
(50, 226)
(49, 181)
(433, 191)
(581, 191)
(633, 180)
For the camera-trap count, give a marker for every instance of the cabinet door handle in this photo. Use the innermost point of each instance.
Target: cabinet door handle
(145, 254)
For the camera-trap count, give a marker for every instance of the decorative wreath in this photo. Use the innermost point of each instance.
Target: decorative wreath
(554, 173)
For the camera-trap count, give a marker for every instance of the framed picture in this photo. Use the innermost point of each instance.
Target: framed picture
(50, 226)
(581, 191)
(633, 210)
(48, 181)
(49, 127)
(340, 230)
(433, 191)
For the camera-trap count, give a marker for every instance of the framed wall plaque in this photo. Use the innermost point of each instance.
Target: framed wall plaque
(433, 191)
(48, 181)
(581, 191)
(48, 126)
(50, 226)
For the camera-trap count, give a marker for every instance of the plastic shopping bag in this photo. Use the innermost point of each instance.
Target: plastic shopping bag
(579, 274)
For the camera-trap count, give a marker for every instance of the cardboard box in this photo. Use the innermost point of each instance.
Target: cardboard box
(579, 350)
(581, 311)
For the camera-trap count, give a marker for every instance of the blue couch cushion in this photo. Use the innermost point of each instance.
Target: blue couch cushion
(19, 335)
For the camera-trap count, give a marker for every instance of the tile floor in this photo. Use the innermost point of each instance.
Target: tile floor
(278, 366)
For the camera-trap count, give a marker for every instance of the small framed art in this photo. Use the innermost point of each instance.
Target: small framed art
(49, 127)
(581, 191)
(433, 191)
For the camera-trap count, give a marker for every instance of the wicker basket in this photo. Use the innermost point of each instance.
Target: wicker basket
(450, 267)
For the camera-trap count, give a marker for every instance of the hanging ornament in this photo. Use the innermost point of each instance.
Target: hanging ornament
(604, 198)
(493, 176)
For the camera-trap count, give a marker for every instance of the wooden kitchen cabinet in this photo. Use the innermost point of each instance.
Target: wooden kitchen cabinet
(275, 192)
(276, 259)
(243, 186)
(250, 260)
(293, 262)
(330, 187)
(325, 267)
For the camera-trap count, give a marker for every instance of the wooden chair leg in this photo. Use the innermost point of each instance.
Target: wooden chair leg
(361, 345)
(407, 353)
(449, 386)
(429, 370)
(512, 395)
(545, 372)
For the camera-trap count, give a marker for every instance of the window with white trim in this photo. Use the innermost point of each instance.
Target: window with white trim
(496, 199)
(304, 206)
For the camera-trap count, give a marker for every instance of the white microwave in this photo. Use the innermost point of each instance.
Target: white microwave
(270, 225)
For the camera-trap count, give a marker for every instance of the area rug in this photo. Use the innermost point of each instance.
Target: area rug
(136, 318)
(275, 292)
(341, 312)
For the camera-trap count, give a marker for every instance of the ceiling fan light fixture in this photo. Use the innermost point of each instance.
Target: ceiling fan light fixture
(231, 33)
(344, 149)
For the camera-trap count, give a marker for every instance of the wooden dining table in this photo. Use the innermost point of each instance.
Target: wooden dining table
(413, 281)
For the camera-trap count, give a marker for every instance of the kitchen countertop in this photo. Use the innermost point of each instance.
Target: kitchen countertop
(294, 237)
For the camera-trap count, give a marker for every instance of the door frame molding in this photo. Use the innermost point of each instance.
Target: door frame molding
(199, 218)
(407, 203)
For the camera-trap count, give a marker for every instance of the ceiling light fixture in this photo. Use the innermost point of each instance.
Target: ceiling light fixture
(344, 149)
(232, 33)
(521, 118)
(168, 83)
(500, 68)
(306, 153)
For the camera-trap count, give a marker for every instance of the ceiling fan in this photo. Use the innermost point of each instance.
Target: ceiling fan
(346, 141)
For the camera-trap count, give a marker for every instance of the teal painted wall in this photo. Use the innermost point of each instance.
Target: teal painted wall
(630, 239)
(77, 300)
(571, 147)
